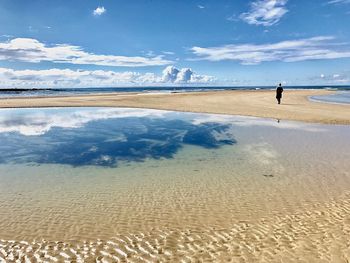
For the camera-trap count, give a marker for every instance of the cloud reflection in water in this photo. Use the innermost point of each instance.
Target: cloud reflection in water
(103, 140)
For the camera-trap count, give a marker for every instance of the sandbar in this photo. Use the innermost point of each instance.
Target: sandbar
(259, 103)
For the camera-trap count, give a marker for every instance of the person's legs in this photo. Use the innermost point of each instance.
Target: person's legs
(279, 100)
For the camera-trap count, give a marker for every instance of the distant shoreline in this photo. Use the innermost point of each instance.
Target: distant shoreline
(64, 92)
(185, 87)
(21, 90)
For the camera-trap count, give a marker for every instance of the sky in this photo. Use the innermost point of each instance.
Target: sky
(112, 43)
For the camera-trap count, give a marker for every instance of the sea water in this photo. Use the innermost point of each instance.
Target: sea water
(71, 91)
(340, 97)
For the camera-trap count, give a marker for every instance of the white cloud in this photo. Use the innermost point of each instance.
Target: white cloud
(265, 12)
(339, 78)
(6, 36)
(336, 78)
(99, 11)
(95, 78)
(32, 50)
(170, 74)
(232, 18)
(339, 2)
(185, 75)
(168, 52)
(321, 47)
(200, 6)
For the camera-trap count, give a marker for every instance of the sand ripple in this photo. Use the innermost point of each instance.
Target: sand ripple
(318, 235)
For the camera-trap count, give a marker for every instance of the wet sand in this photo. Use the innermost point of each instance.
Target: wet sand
(280, 195)
(320, 235)
(295, 104)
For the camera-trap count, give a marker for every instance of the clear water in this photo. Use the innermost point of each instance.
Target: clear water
(342, 97)
(136, 175)
(102, 137)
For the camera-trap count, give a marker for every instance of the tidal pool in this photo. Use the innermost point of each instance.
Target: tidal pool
(340, 97)
(144, 183)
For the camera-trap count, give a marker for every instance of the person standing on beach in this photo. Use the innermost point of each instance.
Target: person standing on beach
(279, 91)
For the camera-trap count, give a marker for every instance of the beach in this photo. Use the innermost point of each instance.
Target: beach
(261, 103)
(159, 177)
(175, 131)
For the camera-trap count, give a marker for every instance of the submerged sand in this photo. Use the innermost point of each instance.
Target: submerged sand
(279, 195)
(261, 103)
(320, 235)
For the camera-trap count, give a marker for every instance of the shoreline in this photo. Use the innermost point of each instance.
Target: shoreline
(258, 103)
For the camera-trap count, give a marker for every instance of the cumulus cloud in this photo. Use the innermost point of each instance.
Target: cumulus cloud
(265, 12)
(170, 74)
(99, 11)
(95, 78)
(34, 51)
(321, 47)
(185, 75)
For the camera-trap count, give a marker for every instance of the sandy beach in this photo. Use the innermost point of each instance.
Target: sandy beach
(175, 131)
(185, 187)
(262, 103)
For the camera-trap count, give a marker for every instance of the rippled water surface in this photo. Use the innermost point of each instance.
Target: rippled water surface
(147, 184)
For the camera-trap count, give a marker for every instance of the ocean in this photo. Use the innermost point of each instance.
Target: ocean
(4, 92)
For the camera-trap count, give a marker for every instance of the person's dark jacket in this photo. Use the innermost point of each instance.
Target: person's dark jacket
(279, 91)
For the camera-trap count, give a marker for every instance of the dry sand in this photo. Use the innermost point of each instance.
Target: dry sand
(295, 104)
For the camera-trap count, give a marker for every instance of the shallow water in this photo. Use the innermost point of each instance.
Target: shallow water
(147, 184)
(341, 97)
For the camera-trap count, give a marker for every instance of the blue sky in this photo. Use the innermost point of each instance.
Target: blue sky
(166, 42)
